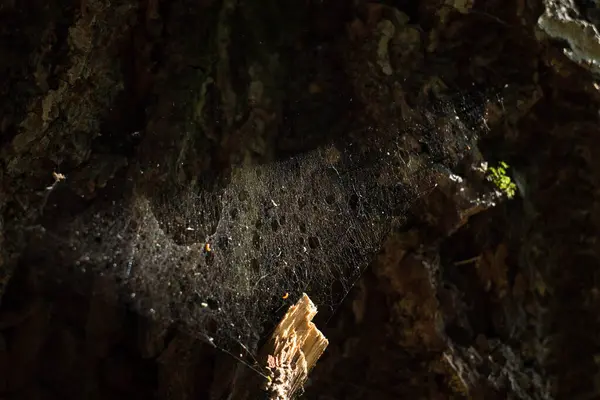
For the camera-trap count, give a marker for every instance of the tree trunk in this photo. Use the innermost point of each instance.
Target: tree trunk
(483, 287)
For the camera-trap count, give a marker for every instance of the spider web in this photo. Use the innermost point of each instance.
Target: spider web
(219, 259)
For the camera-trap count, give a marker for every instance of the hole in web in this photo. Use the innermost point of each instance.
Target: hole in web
(243, 196)
(254, 265)
(302, 227)
(302, 202)
(274, 224)
(256, 240)
(354, 203)
(223, 243)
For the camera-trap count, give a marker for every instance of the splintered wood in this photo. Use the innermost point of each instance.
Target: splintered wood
(291, 353)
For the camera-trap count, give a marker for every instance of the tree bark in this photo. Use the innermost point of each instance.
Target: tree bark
(489, 299)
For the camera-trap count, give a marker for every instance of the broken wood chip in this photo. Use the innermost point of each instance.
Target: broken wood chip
(293, 350)
(290, 354)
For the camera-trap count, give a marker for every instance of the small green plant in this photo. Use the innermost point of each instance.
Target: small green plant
(497, 175)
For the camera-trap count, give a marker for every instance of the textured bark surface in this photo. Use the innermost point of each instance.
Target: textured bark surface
(487, 303)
